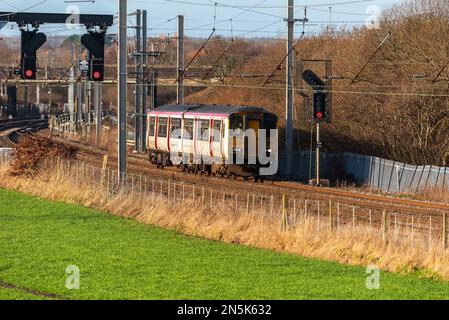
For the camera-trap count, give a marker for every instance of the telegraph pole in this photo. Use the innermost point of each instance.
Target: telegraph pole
(138, 87)
(72, 85)
(97, 106)
(79, 92)
(38, 97)
(289, 88)
(121, 90)
(180, 85)
(318, 149)
(143, 122)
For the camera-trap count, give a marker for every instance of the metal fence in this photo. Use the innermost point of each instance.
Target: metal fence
(5, 155)
(377, 173)
(321, 217)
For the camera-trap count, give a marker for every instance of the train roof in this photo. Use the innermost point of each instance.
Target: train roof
(208, 109)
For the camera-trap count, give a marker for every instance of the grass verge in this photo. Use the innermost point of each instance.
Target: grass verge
(122, 259)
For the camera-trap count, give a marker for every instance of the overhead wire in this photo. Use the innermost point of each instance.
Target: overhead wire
(379, 47)
(25, 9)
(199, 50)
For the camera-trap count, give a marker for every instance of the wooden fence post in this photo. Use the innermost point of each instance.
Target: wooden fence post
(353, 219)
(284, 213)
(384, 226)
(331, 226)
(305, 212)
(338, 217)
(444, 231)
(211, 196)
(254, 203)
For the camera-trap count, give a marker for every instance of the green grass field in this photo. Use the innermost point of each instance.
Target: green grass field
(122, 259)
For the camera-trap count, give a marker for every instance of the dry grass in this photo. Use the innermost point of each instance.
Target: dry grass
(361, 246)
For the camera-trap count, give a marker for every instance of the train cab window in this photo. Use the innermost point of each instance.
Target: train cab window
(203, 130)
(175, 128)
(152, 126)
(237, 123)
(188, 129)
(217, 129)
(162, 128)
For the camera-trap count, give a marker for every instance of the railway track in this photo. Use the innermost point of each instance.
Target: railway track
(369, 208)
(138, 165)
(10, 130)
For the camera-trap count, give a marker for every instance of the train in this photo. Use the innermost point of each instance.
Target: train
(212, 139)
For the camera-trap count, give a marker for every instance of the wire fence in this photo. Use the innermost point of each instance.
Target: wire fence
(285, 213)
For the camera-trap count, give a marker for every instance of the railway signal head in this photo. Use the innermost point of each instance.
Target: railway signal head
(320, 97)
(28, 67)
(94, 42)
(31, 42)
(319, 106)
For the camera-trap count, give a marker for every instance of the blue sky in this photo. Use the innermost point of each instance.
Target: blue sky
(250, 18)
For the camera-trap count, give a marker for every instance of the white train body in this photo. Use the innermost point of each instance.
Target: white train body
(182, 134)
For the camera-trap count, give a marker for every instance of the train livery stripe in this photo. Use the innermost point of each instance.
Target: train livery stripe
(195, 129)
(172, 114)
(168, 133)
(156, 131)
(211, 137)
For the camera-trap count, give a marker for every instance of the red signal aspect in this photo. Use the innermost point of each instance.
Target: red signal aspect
(97, 75)
(28, 73)
(319, 115)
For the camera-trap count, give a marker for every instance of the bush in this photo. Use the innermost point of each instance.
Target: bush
(31, 151)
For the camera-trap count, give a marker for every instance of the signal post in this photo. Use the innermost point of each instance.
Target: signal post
(322, 104)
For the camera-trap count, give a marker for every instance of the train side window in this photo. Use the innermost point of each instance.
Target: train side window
(162, 128)
(175, 128)
(152, 126)
(217, 130)
(188, 129)
(203, 132)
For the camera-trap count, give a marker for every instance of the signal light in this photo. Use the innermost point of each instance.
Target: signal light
(319, 96)
(96, 75)
(94, 42)
(31, 42)
(319, 106)
(28, 67)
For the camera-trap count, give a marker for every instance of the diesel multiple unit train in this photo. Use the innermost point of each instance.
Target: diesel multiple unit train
(210, 139)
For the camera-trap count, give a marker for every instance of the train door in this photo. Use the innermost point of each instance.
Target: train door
(237, 130)
(251, 147)
(175, 135)
(188, 135)
(216, 139)
(151, 139)
(162, 134)
(203, 138)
